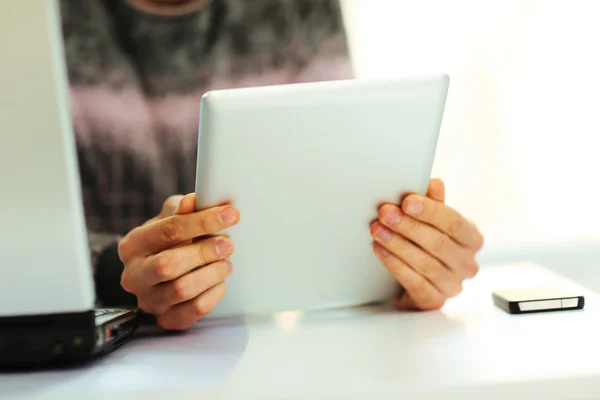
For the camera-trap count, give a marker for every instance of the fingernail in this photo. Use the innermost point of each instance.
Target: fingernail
(382, 233)
(415, 206)
(392, 215)
(228, 216)
(228, 264)
(382, 252)
(224, 247)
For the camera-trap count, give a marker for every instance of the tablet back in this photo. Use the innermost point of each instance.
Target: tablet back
(308, 165)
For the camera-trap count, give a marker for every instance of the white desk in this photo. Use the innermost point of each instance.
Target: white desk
(471, 349)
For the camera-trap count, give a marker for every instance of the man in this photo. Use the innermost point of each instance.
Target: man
(137, 71)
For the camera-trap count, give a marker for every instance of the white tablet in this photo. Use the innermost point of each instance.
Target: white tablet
(307, 165)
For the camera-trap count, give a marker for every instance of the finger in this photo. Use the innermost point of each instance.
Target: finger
(436, 190)
(424, 294)
(443, 218)
(174, 230)
(430, 239)
(445, 281)
(173, 263)
(184, 315)
(187, 287)
(404, 302)
(187, 204)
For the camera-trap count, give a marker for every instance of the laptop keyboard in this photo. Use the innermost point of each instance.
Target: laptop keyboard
(101, 312)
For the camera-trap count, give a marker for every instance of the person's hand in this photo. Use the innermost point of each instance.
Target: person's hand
(427, 246)
(174, 277)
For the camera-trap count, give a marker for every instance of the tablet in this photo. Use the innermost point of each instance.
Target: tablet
(308, 165)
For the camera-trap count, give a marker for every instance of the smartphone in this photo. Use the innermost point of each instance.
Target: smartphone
(532, 300)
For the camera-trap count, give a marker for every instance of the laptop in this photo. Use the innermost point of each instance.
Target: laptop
(47, 312)
(308, 165)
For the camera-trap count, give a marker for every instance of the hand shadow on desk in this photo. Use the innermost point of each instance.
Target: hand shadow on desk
(154, 359)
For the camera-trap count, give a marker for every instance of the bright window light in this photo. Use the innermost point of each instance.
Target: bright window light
(520, 143)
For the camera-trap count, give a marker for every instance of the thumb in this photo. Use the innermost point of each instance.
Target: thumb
(436, 190)
(187, 204)
(170, 206)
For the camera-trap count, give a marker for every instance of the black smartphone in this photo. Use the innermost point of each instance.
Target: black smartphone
(532, 300)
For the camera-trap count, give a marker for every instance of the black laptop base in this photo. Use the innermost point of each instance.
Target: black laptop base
(60, 340)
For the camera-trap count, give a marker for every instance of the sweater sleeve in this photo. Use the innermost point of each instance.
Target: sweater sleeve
(107, 267)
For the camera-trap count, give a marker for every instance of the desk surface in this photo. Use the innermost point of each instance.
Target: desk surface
(468, 349)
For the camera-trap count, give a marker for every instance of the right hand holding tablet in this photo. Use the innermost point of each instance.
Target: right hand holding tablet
(175, 278)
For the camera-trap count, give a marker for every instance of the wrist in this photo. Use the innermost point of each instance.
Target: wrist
(107, 279)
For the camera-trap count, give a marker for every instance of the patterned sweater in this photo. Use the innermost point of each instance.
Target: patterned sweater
(136, 79)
